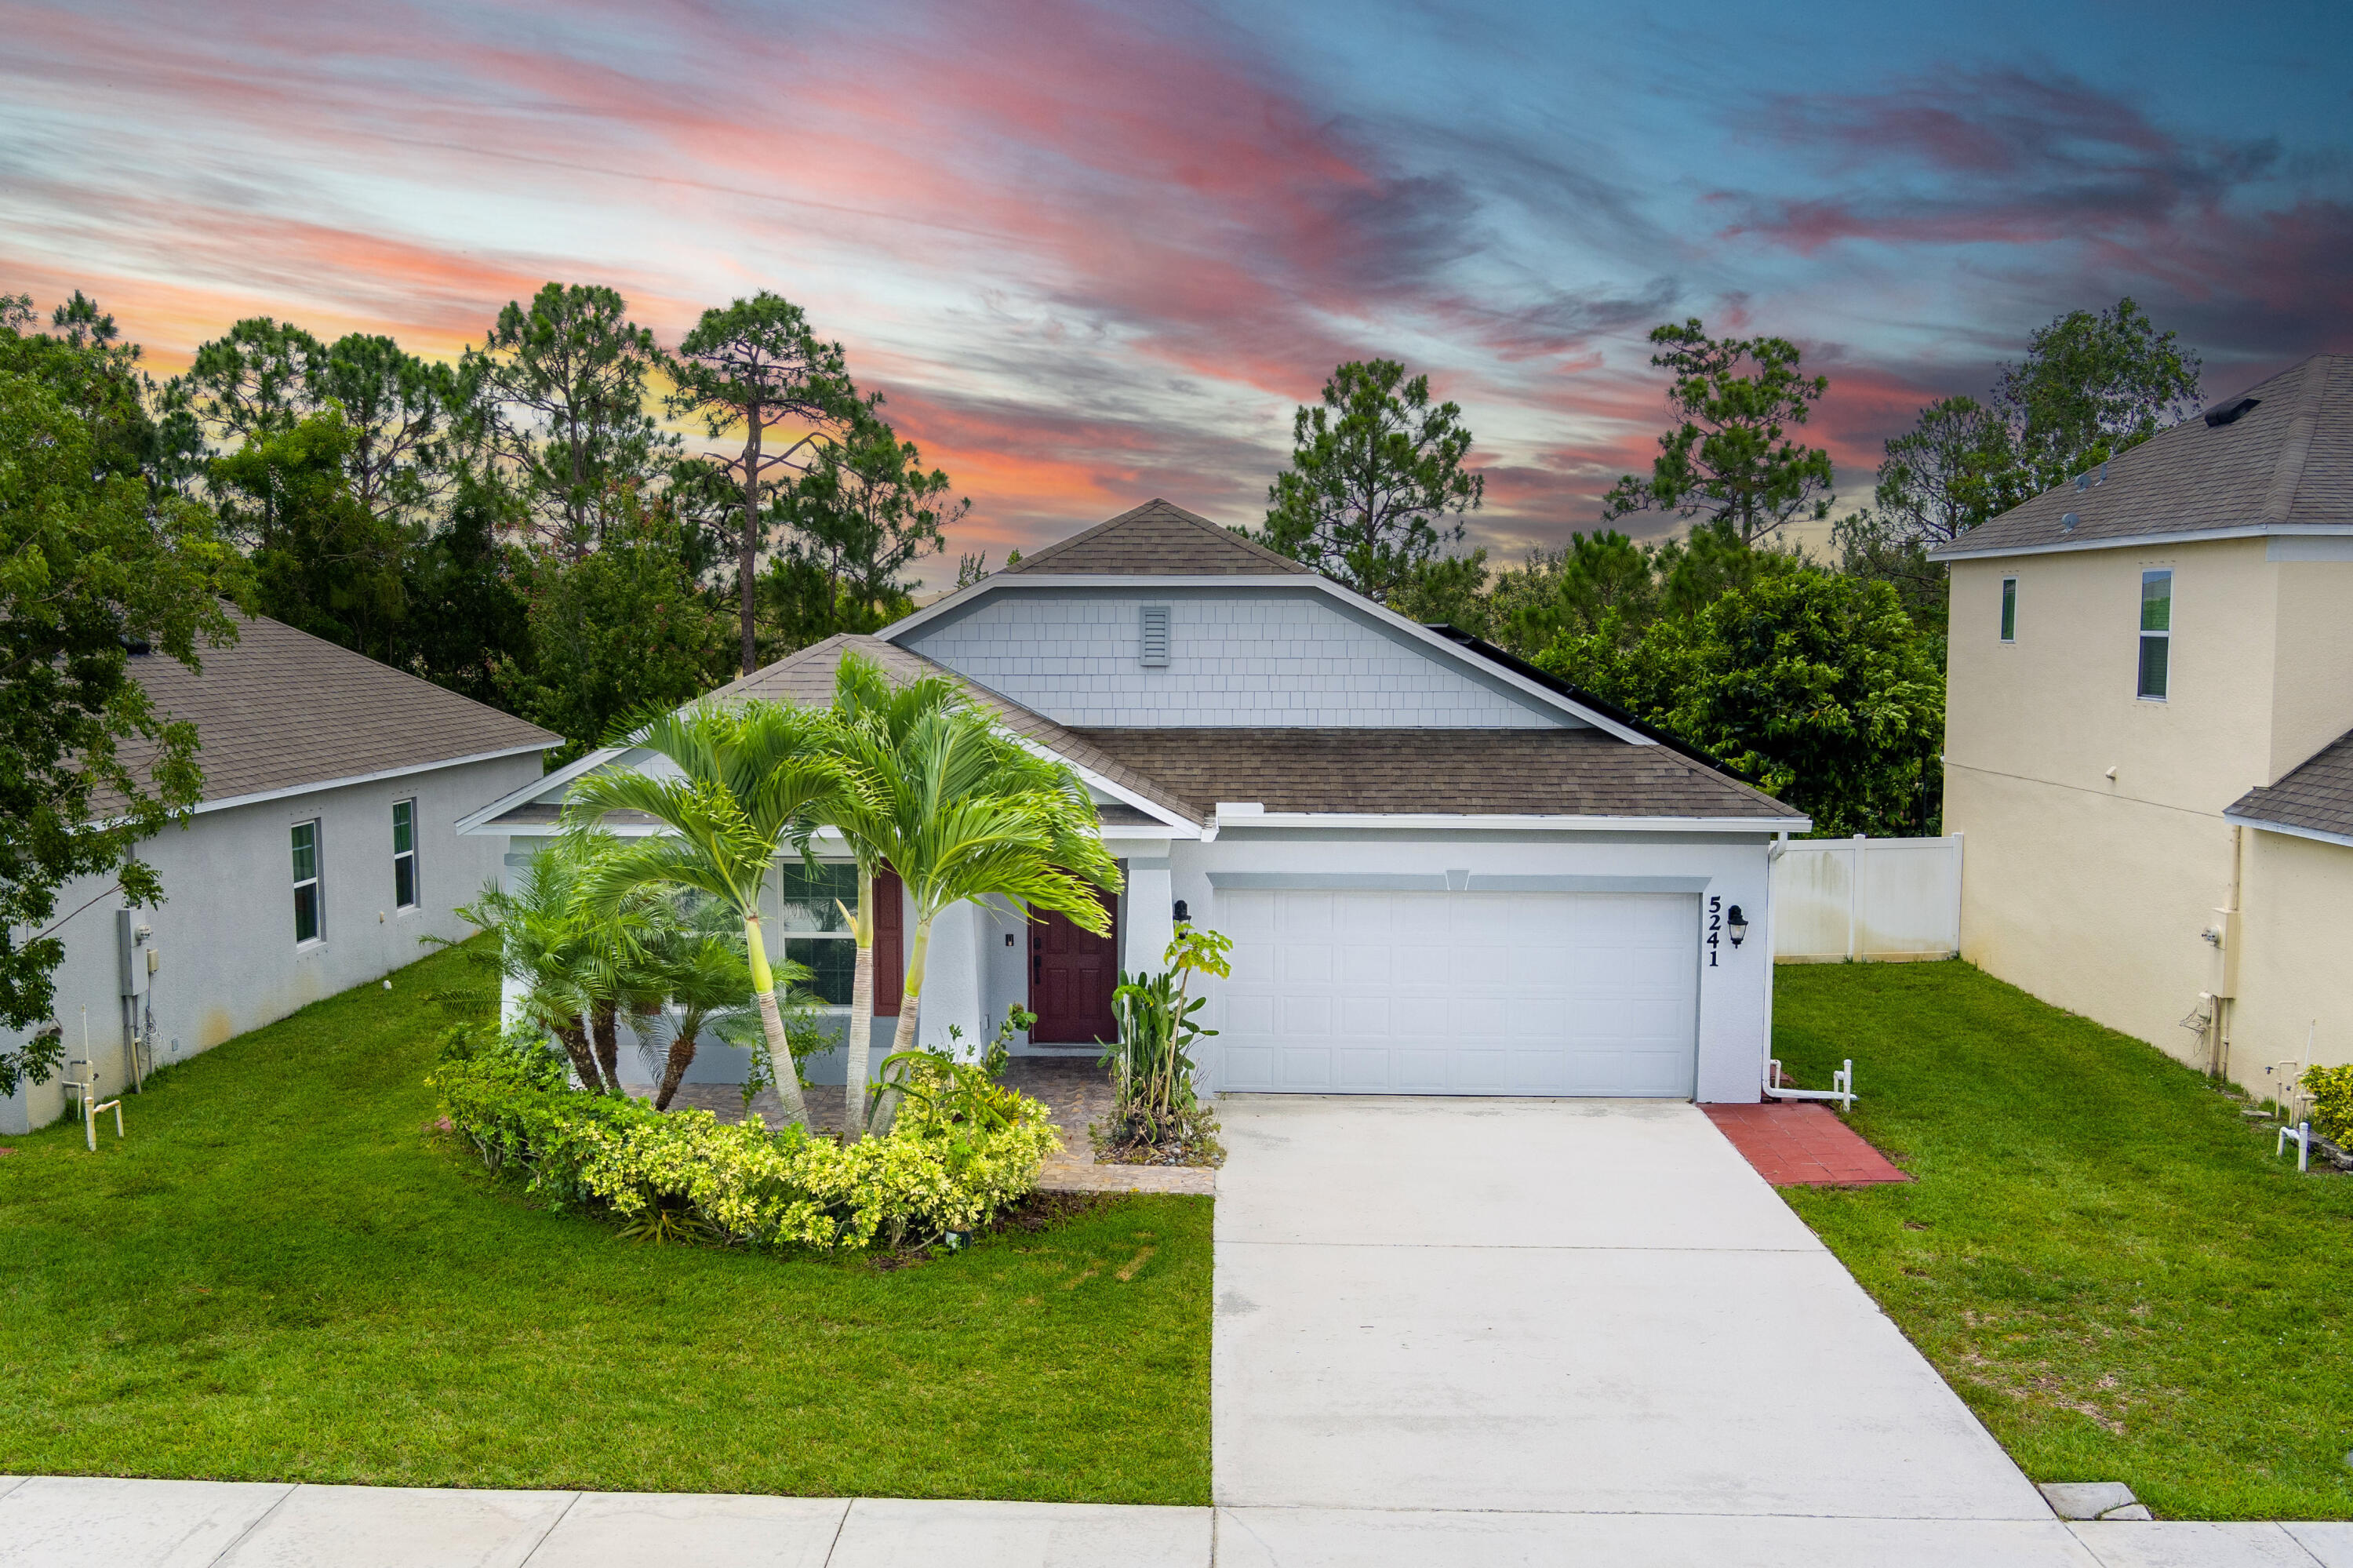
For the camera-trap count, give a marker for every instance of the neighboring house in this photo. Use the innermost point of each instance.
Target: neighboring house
(1444, 871)
(2151, 687)
(321, 852)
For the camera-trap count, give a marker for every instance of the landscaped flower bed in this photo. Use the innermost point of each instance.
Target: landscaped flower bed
(961, 1149)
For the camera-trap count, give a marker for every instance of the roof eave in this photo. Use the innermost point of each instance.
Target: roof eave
(2291, 830)
(1949, 552)
(1511, 823)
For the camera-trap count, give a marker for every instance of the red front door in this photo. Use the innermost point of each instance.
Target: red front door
(1071, 976)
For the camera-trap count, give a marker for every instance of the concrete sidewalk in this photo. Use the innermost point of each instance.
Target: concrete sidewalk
(77, 1523)
(69, 1521)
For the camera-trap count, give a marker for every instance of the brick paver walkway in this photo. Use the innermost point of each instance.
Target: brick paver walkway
(1802, 1145)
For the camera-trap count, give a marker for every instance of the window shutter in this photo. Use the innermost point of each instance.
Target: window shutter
(889, 943)
(1155, 637)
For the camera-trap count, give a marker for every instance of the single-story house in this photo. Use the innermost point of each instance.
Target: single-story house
(1444, 871)
(324, 847)
(2150, 734)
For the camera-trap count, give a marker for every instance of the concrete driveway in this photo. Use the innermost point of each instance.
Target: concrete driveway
(1491, 1330)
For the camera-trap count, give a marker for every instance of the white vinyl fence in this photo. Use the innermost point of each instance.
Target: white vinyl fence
(1867, 898)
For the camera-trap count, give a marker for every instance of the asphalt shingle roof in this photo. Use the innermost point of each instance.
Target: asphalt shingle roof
(2287, 460)
(282, 709)
(805, 678)
(2315, 795)
(1158, 539)
(1453, 772)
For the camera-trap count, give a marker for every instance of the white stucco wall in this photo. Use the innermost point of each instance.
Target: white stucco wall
(1246, 657)
(224, 934)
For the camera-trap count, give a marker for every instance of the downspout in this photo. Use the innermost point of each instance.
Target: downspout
(2226, 996)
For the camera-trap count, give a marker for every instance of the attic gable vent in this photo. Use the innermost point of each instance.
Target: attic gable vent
(1155, 642)
(2224, 413)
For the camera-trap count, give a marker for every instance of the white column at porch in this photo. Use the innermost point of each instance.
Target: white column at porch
(1151, 923)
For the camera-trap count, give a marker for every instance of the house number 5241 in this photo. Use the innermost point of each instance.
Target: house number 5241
(1714, 926)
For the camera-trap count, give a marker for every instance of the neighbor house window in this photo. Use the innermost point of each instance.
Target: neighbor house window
(306, 882)
(2010, 609)
(815, 932)
(404, 854)
(2156, 631)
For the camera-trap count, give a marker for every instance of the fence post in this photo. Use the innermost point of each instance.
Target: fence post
(1853, 900)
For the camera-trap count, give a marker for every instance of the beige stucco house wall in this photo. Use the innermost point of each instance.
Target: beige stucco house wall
(2122, 862)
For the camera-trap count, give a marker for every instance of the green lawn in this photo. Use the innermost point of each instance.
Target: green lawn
(2098, 1253)
(282, 1275)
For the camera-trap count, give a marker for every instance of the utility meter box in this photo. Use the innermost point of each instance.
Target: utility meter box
(134, 945)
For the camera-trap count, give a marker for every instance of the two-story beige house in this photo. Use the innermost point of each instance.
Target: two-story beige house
(2149, 744)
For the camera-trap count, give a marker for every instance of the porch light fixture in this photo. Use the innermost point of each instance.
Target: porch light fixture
(1182, 916)
(1735, 925)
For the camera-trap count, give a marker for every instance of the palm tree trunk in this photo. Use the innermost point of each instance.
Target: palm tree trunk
(772, 1025)
(681, 1058)
(584, 1062)
(861, 1011)
(608, 1045)
(910, 1002)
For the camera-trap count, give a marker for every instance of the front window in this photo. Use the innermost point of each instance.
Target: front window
(404, 854)
(2010, 609)
(307, 924)
(2156, 633)
(816, 931)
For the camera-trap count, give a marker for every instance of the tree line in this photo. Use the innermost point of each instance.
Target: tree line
(1822, 680)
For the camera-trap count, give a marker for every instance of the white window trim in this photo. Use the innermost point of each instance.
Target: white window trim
(415, 867)
(316, 881)
(2141, 635)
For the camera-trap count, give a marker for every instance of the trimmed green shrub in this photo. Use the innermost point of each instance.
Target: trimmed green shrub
(2331, 1089)
(961, 1150)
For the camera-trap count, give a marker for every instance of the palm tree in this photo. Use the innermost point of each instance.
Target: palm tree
(707, 982)
(749, 778)
(962, 812)
(875, 719)
(570, 961)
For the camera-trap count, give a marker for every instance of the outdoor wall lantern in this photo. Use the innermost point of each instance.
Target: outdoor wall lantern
(1182, 916)
(1735, 925)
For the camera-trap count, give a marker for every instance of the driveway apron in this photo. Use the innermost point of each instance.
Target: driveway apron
(1433, 1307)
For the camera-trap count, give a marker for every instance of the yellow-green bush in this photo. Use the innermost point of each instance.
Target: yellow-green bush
(2331, 1089)
(960, 1150)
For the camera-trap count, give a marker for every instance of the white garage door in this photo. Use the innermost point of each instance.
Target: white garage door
(1461, 993)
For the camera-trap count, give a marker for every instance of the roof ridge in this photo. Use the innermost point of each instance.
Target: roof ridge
(2279, 501)
(1159, 509)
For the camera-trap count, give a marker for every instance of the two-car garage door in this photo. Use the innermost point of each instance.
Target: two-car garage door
(1462, 993)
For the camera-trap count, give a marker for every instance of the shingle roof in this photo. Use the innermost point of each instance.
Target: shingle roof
(282, 709)
(1465, 772)
(1158, 539)
(2286, 461)
(2315, 795)
(805, 678)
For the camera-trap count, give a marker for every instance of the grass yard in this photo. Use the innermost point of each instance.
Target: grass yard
(281, 1275)
(2098, 1253)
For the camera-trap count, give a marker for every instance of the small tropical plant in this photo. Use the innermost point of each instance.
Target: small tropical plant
(749, 779)
(571, 963)
(1158, 1111)
(2331, 1089)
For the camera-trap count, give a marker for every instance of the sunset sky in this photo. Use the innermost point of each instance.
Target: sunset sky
(1094, 254)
